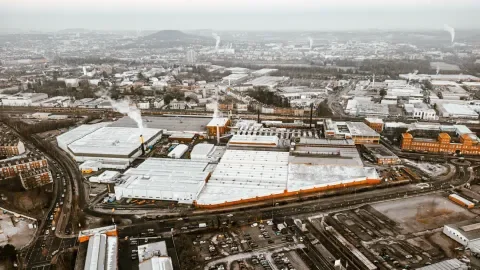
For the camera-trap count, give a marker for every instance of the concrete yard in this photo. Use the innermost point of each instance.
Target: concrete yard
(423, 213)
(15, 231)
(431, 169)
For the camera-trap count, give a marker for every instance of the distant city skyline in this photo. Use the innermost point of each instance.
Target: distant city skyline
(309, 15)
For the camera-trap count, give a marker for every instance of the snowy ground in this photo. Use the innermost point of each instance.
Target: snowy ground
(432, 169)
(16, 233)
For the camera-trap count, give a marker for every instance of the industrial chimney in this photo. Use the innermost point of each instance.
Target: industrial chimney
(142, 144)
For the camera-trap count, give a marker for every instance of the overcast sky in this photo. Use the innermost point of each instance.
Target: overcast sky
(239, 14)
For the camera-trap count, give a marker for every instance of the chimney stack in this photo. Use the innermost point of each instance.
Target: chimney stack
(311, 114)
(142, 144)
(218, 135)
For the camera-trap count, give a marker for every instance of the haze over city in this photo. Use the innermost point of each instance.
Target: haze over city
(240, 135)
(239, 15)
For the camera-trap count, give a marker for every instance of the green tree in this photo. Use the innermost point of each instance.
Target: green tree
(383, 92)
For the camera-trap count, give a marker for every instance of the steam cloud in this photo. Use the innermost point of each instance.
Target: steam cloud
(124, 107)
(438, 70)
(217, 40)
(311, 42)
(450, 30)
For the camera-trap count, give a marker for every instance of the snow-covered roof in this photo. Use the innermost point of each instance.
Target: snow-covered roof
(361, 129)
(156, 263)
(253, 140)
(218, 121)
(150, 250)
(164, 179)
(246, 174)
(201, 151)
(178, 151)
(112, 141)
(306, 176)
(102, 252)
(79, 132)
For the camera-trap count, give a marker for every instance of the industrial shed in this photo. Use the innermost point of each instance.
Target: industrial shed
(243, 175)
(102, 252)
(201, 151)
(75, 134)
(164, 179)
(109, 143)
(178, 151)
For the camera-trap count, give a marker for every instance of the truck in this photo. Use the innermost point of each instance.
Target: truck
(202, 225)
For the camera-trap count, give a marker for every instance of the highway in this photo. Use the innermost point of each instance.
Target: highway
(50, 236)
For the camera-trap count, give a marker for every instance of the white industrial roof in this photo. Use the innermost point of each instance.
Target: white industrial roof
(221, 122)
(246, 174)
(201, 151)
(452, 264)
(374, 120)
(253, 140)
(164, 179)
(156, 263)
(150, 250)
(178, 151)
(119, 141)
(360, 129)
(305, 176)
(462, 129)
(458, 109)
(79, 132)
(181, 135)
(267, 81)
(102, 252)
(106, 176)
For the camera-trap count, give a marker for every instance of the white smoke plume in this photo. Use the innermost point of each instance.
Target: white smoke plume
(311, 42)
(410, 75)
(217, 40)
(124, 106)
(450, 30)
(438, 70)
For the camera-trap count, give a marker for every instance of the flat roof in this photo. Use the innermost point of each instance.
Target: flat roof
(329, 142)
(201, 150)
(179, 135)
(115, 141)
(374, 120)
(164, 179)
(156, 263)
(307, 176)
(266, 80)
(472, 232)
(380, 151)
(170, 123)
(452, 264)
(325, 156)
(150, 250)
(246, 174)
(458, 109)
(253, 140)
(79, 132)
(221, 122)
(361, 129)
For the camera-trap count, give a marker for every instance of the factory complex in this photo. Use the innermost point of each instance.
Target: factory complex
(110, 146)
(455, 139)
(243, 161)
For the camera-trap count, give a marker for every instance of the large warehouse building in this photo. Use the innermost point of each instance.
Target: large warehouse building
(112, 146)
(249, 176)
(164, 179)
